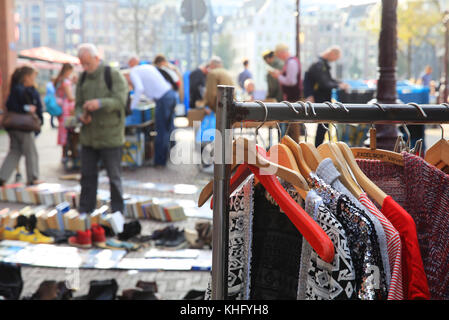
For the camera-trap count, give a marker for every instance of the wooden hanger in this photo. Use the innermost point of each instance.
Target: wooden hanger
(370, 187)
(297, 153)
(372, 153)
(252, 155)
(438, 154)
(331, 150)
(282, 155)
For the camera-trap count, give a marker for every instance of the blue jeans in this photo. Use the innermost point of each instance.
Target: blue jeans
(165, 113)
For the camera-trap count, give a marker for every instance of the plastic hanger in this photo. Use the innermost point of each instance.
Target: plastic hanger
(438, 154)
(370, 187)
(331, 150)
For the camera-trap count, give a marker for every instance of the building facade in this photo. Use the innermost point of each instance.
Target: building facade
(64, 24)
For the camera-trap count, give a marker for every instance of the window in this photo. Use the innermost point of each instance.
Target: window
(52, 34)
(51, 12)
(36, 35)
(35, 13)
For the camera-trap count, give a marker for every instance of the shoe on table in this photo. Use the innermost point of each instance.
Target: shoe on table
(13, 233)
(35, 237)
(98, 236)
(83, 239)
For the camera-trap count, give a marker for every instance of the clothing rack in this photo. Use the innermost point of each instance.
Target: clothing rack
(229, 112)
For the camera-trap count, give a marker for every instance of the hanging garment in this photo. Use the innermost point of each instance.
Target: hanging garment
(423, 191)
(394, 246)
(319, 280)
(241, 209)
(327, 171)
(276, 249)
(413, 269)
(362, 241)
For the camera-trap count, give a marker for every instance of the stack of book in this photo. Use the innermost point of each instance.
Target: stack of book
(166, 211)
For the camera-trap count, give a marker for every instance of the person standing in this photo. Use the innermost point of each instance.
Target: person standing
(23, 98)
(290, 76)
(274, 91)
(426, 78)
(290, 80)
(100, 101)
(171, 73)
(245, 74)
(217, 75)
(321, 83)
(66, 99)
(147, 80)
(197, 85)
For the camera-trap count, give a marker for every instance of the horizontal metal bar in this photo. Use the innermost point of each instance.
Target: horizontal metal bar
(352, 113)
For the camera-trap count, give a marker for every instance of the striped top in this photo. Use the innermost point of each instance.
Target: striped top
(394, 249)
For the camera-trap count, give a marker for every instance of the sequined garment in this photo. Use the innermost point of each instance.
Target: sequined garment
(319, 280)
(370, 276)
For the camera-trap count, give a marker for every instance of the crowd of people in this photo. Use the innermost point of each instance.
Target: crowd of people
(99, 97)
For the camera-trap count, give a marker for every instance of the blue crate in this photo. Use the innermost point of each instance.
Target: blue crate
(417, 94)
(138, 116)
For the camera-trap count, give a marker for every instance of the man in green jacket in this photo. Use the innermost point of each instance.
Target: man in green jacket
(274, 91)
(101, 94)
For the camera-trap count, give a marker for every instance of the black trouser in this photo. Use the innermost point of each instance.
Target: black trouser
(111, 158)
(320, 133)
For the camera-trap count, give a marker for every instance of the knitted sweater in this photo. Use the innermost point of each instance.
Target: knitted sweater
(423, 191)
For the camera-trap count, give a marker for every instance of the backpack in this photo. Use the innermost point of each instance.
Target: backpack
(108, 80)
(51, 105)
(168, 77)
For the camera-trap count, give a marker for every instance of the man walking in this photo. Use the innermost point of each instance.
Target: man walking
(321, 83)
(101, 95)
(146, 79)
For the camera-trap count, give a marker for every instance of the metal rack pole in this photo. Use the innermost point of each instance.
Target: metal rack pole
(222, 174)
(350, 113)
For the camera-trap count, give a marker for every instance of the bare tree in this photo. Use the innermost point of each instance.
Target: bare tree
(135, 14)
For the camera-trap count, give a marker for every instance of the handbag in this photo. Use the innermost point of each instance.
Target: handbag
(21, 121)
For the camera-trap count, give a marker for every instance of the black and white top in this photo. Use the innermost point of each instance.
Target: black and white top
(319, 280)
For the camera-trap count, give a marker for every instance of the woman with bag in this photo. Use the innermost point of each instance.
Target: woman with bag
(65, 98)
(22, 121)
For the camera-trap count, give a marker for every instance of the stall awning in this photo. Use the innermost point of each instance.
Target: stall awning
(48, 54)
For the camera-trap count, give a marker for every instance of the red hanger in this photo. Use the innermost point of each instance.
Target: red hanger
(311, 231)
(241, 173)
